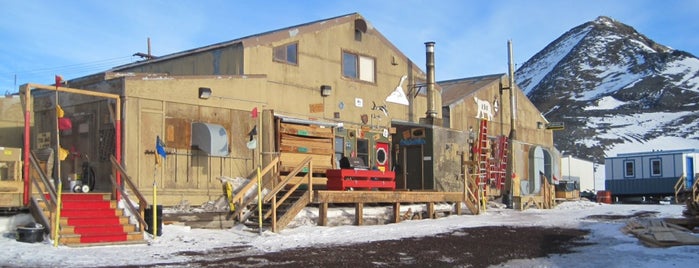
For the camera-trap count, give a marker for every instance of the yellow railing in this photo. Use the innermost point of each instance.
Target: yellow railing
(142, 203)
(680, 187)
(695, 189)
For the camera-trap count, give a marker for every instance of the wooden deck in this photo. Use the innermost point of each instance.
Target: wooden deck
(359, 198)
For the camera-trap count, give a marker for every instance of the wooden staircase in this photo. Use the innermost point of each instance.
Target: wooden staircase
(692, 199)
(92, 218)
(283, 215)
(281, 204)
(86, 218)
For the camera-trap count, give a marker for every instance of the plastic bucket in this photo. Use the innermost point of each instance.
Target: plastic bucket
(31, 233)
(148, 217)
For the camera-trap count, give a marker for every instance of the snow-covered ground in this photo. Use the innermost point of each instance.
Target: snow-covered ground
(610, 248)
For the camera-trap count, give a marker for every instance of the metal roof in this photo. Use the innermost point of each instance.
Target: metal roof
(454, 91)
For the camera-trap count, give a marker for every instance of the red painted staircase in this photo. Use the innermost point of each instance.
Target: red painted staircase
(92, 218)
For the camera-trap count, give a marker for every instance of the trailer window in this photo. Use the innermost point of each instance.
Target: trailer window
(629, 167)
(656, 167)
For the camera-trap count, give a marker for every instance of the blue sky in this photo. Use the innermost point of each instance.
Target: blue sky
(73, 38)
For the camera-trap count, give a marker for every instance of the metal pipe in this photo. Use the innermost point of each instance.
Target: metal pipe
(431, 112)
(513, 102)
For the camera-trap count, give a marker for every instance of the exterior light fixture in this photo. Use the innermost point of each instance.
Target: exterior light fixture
(204, 93)
(325, 90)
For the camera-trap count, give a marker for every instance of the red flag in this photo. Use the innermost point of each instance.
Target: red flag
(253, 113)
(59, 80)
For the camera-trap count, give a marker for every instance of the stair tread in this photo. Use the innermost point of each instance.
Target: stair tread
(102, 234)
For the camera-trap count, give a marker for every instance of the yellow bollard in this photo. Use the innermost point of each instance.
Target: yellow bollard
(58, 214)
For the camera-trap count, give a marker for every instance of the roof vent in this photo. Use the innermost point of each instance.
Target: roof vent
(360, 25)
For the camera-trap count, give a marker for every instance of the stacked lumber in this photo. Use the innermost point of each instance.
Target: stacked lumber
(300, 141)
(659, 233)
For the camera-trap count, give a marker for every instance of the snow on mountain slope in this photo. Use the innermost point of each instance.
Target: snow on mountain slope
(616, 91)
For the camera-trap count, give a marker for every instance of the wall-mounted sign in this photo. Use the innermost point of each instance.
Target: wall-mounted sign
(316, 108)
(359, 102)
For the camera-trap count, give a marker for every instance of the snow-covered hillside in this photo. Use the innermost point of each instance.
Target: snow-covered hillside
(616, 91)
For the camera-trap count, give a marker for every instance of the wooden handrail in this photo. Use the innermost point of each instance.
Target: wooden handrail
(238, 198)
(272, 195)
(51, 202)
(286, 180)
(142, 203)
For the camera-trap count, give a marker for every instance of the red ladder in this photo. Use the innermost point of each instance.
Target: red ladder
(501, 167)
(483, 158)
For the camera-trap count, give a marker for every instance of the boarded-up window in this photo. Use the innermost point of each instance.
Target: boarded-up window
(178, 133)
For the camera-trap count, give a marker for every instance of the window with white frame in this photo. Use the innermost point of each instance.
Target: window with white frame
(656, 167)
(286, 53)
(358, 67)
(629, 168)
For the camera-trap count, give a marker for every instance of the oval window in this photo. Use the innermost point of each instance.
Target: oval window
(381, 156)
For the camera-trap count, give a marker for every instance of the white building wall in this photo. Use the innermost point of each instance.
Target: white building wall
(573, 167)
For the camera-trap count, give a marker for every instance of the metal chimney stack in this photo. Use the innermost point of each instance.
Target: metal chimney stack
(511, 82)
(431, 112)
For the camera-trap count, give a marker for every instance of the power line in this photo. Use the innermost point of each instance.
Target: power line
(67, 71)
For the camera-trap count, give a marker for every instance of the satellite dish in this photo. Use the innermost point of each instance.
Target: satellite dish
(398, 95)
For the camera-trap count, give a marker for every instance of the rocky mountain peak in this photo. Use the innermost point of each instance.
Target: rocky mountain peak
(612, 87)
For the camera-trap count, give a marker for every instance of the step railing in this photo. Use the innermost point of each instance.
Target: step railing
(695, 189)
(469, 197)
(240, 201)
(680, 188)
(306, 164)
(41, 186)
(126, 179)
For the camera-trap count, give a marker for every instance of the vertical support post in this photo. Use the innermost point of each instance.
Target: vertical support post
(310, 181)
(59, 204)
(323, 214)
(117, 150)
(26, 150)
(155, 210)
(259, 200)
(359, 214)
(430, 210)
(396, 213)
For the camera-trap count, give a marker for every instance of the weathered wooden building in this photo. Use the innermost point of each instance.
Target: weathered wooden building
(317, 89)
(468, 102)
(325, 89)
